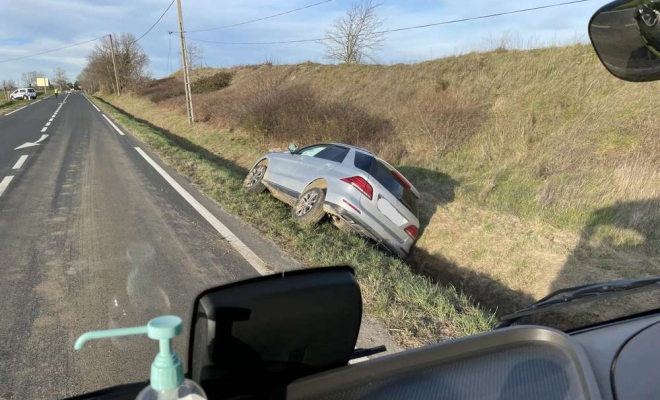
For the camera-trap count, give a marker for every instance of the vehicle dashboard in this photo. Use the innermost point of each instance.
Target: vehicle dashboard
(614, 361)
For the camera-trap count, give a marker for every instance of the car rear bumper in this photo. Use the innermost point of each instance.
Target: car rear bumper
(365, 226)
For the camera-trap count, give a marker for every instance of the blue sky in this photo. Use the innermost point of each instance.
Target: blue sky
(58, 23)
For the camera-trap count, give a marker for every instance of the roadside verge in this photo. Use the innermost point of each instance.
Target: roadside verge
(415, 310)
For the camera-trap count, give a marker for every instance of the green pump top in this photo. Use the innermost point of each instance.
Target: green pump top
(167, 368)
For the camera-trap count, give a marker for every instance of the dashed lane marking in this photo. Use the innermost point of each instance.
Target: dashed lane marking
(4, 183)
(20, 162)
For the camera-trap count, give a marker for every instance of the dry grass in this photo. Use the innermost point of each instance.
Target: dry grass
(537, 168)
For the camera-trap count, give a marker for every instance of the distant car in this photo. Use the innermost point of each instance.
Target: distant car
(23, 94)
(361, 192)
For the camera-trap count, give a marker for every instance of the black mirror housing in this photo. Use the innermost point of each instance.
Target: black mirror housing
(626, 37)
(272, 330)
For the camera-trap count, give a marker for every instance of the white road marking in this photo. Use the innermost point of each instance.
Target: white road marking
(18, 109)
(30, 144)
(254, 260)
(20, 162)
(4, 183)
(35, 102)
(113, 125)
(93, 105)
(358, 360)
(41, 139)
(51, 120)
(44, 129)
(48, 123)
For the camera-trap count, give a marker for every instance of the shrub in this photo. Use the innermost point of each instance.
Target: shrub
(296, 113)
(163, 89)
(212, 83)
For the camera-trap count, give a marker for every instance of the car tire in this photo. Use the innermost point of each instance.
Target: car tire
(308, 210)
(253, 182)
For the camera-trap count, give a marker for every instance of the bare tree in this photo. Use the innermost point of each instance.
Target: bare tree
(29, 78)
(60, 78)
(195, 55)
(8, 86)
(132, 65)
(355, 36)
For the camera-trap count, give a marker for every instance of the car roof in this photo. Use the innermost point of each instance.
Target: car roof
(350, 146)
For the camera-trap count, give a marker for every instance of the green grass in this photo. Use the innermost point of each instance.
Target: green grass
(416, 310)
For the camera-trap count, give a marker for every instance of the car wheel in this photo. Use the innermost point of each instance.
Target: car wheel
(253, 182)
(309, 207)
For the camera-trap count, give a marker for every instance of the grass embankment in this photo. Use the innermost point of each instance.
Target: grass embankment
(538, 170)
(416, 310)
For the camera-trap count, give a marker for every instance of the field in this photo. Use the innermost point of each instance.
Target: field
(10, 105)
(538, 170)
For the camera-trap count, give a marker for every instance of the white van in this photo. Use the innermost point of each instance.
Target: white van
(23, 93)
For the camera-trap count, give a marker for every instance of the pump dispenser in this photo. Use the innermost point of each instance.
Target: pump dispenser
(167, 381)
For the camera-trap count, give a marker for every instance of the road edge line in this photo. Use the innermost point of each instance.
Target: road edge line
(113, 125)
(90, 102)
(257, 263)
(18, 109)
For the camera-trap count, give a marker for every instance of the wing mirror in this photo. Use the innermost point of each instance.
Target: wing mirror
(273, 329)
(626, 37)
(292, 148)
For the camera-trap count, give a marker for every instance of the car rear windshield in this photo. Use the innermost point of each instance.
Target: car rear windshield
(31, 90)
(385, 177)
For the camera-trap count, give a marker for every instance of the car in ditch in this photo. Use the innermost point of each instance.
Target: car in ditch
(360, 192)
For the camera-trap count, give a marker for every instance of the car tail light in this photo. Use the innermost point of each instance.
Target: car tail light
(360, 184)
(412, 231)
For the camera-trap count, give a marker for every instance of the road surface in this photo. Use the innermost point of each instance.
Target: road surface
(96, 232)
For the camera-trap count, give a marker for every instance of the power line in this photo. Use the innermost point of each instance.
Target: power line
(155, 23)
(409, 27)
(260, 19)
(51, 51)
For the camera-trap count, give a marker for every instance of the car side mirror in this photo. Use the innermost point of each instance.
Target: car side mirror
(273, 329)
(626, 37)
(292, 148)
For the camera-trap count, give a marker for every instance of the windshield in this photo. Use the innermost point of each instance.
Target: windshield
(141, 163)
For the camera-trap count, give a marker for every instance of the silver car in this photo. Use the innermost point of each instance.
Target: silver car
(360, 192)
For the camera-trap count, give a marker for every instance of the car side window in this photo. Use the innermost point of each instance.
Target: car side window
(333, 153)
(311, 151)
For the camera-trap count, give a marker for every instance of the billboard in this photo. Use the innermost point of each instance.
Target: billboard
(43, 82)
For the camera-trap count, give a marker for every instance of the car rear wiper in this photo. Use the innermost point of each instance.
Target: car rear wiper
(582, 294)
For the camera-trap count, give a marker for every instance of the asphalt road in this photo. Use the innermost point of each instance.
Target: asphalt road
(93, 236)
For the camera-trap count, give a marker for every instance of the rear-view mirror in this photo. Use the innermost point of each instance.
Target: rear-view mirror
(266, 332)
(292, 148)
(626, 36)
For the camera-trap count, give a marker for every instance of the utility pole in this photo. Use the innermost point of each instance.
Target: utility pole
(112, 49)
(186, 72)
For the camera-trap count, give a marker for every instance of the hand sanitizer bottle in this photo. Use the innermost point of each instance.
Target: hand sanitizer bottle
(167, 381)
